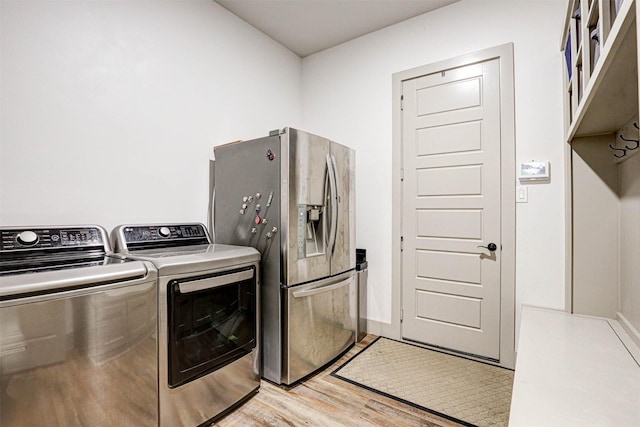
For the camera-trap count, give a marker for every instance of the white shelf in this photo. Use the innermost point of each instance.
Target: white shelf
(573, 371)
(610, 97)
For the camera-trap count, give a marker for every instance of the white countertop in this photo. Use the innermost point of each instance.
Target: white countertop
(573, 370)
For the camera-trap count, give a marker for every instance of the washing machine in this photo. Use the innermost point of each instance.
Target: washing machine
(78, 330)
(208, 319)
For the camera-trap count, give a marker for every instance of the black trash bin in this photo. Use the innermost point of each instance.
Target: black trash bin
(362, 273)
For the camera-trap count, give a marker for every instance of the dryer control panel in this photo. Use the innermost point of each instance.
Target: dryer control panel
(151, 236)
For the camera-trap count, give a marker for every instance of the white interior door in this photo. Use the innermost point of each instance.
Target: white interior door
(451, 204)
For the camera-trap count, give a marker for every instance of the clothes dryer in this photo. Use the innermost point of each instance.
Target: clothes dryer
(208, 319)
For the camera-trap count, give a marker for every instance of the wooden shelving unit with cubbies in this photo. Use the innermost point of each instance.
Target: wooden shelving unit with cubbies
(600, 53)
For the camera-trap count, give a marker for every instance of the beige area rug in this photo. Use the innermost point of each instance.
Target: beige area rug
(468, 392)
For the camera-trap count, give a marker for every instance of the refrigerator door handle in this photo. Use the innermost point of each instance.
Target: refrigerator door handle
(336, 198)
(333, 201)
(314, 291)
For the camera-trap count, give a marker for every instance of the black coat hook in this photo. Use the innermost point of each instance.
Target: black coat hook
(630, 140)
(624, 151)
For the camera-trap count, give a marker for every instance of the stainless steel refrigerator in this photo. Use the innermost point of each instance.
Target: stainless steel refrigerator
(291, 196)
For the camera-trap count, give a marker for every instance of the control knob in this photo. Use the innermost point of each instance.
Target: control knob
(27, 238)
(164, 231)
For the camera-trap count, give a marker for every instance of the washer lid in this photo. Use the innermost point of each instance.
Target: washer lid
(190, 259)
(110, 271)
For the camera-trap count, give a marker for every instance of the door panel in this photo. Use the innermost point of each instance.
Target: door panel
(454, 138)
(450, 181)
(456, 224)
(457, 310)
(451, 206)
(344, 251)
(457, 267)
(450, 96)
(308, 227)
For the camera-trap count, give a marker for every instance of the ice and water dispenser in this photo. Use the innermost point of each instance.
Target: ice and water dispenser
(311, 230)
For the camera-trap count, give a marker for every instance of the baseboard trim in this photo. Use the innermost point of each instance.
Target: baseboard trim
(383, 329)
(632, 333)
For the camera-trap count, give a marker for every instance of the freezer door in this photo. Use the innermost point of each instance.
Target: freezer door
(321, 324)
(307, 225)
(343, 248)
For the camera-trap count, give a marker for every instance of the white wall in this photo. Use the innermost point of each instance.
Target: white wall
(347, 97)
(110, 109)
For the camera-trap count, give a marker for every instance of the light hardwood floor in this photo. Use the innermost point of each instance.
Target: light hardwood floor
(323, 400)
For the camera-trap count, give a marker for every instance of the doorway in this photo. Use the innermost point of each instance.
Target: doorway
(454, 205)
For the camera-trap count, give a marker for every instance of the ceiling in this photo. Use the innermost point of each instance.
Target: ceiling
(309, 26)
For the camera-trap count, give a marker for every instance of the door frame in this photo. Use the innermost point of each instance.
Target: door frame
(504, 53)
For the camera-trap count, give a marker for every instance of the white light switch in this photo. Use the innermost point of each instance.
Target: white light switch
(522, 194)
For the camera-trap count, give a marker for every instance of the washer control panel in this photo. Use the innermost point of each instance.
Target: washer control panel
(50, 238)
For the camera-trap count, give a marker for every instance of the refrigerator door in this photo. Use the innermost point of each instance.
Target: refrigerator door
(343, 249)
(307, 226)
(320, 324)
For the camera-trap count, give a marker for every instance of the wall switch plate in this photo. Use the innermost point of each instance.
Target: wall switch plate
(522, 194)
